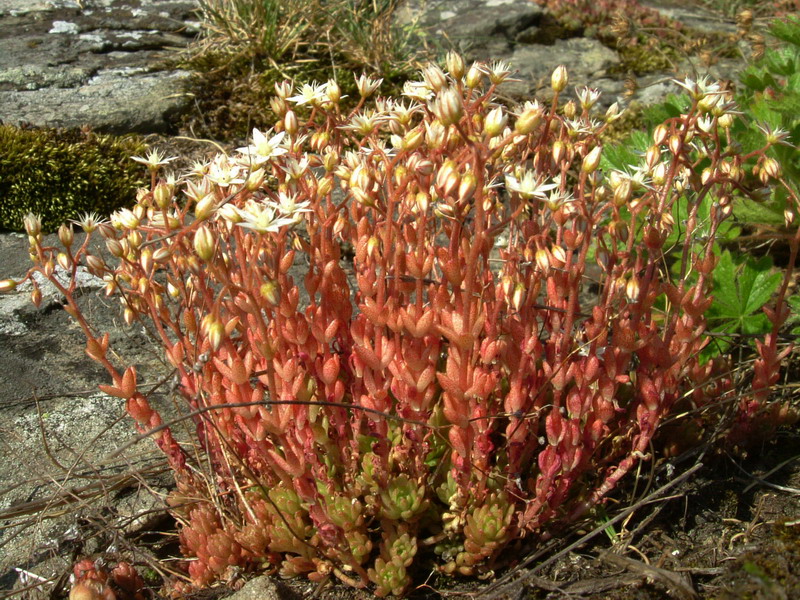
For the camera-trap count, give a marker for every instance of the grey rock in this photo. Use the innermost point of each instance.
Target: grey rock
(112, 101)
(587, 61)
(35, 77)
(473, 26)
(692, 15)
(102, 64)
(263, 588)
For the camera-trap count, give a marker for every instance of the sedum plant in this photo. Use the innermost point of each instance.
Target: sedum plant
(446, 384)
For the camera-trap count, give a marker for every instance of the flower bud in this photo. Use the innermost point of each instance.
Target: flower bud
(64, 261)
(95, 263)
(115, 248)
(134, 239)
(65, 235)
(284, 88)
(162, 195)
(413, 139)
(559, 256)
(333, 91)
(559, 79)
(270, 292)
(33, 224)
(529, 119)
(632, 289)
(216, 334)
(455, 65)
(434, 77)
(559, 150)
(204, 243)
(162, 255)
(570, 109)
(467, 187)
(422, 201)
(652, 156)
(660, 134)
(772, 167)
(146, 260)
(592, 160)
(542, 259)
(205, 207)
(447, 178)
(725, 121)
(622, 193)
(675, 144)
(278, 106)
(372, 246)
(474, 76)
(518, 297)
(324, 187)
(290, 122)
(444, 210)
(495, 122)
(448, 106)
(660, 174)
(319, 141)
(7, 285)
(613, 113)
(505, 284)
(36, 296)
(708, 102)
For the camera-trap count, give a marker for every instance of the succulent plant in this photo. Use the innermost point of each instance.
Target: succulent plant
(460, 391)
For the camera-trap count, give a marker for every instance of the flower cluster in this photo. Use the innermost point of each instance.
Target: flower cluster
(387, 329)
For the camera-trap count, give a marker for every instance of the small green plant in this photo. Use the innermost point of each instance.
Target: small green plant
(60, 174)
(794, 317)
(769, 97)
(741, 288)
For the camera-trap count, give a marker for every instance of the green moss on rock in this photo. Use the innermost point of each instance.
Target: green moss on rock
(59, 174)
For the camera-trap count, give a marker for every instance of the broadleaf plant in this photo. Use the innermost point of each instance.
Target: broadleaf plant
(741, 289)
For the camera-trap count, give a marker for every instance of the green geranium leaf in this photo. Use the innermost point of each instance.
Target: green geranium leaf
(740, 290)
(787, 30)
(794, 315)
(757, 284)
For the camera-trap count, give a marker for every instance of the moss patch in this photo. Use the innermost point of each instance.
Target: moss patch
(59, 174)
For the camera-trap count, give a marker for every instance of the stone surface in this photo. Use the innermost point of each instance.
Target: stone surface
(264, 588)
(103, 63)
(535, 63)
(522, 33)
(59, 433)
